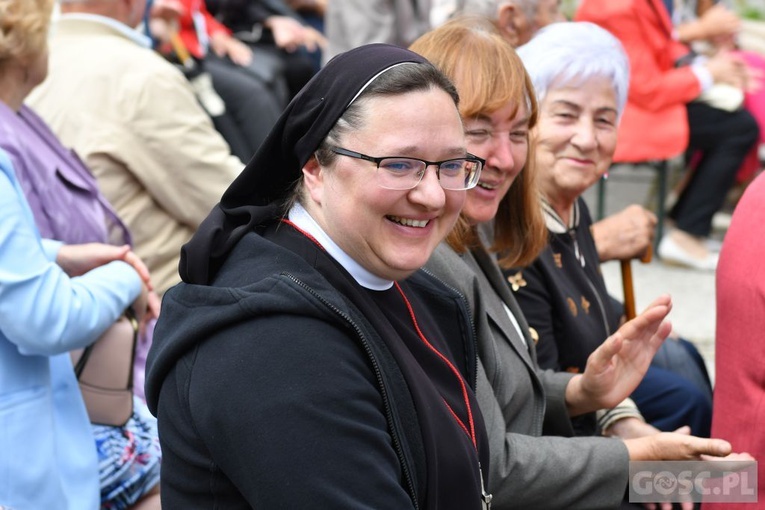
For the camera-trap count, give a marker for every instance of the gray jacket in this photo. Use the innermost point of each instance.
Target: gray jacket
(520, 402)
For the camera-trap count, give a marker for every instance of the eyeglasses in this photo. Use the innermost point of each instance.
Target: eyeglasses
(406, 173)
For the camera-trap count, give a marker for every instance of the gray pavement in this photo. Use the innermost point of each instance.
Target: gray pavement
(693, 292)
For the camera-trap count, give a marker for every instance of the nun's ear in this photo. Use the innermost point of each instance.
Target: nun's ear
(313, 178)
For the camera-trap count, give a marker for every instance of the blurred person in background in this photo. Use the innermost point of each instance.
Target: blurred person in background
(134, 120)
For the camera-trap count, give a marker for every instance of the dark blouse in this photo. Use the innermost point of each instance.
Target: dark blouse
(564, 298)
(436, 387)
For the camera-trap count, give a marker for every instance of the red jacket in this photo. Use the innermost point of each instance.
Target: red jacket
(655, 121)
(738, 410)
(188, 31)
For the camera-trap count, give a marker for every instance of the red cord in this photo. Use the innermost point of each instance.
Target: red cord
(471, 432)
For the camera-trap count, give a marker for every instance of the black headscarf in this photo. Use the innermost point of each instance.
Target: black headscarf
(278, 164)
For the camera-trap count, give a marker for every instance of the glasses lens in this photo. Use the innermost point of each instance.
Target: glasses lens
(400, 173)
(459, 174)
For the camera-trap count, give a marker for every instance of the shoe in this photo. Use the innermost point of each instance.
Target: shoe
(671, 253)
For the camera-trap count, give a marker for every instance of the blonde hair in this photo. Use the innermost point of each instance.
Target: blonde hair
(489, 75)
(23, 29)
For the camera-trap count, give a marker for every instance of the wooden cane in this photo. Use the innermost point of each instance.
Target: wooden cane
(627, 285)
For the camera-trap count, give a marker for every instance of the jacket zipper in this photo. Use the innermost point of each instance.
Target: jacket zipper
(474, 381)
(378, 376)
(486, 497)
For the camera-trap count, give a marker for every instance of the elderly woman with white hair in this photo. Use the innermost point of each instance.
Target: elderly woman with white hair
(581, 75)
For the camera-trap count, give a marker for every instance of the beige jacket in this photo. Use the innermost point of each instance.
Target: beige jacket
(135, 121)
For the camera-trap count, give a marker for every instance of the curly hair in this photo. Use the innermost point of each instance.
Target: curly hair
(23, 29)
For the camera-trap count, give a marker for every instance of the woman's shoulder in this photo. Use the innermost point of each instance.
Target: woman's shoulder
(450, 267)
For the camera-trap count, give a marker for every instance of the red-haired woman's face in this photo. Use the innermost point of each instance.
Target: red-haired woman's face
(503, 141)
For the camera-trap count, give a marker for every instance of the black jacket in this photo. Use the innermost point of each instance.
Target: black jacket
(315, 411)
(566, 302)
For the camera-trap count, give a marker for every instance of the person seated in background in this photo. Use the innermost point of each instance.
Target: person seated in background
(625, 234)
(67, 207)
(518, 20)
(280, 40)
(663, 119)
(351, 23)
(55, 298)
(739, 346)
(501, 225)
(312, 13)
(134, 120)
(562, 293)
(709, 27)
(252, 102)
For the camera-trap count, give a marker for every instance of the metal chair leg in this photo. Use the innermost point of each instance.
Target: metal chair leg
(661, 198)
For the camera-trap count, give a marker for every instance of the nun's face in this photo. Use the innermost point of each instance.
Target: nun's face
(391, 233)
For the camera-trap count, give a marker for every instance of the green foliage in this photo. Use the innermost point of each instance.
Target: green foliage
(568, 8)
(751, 9)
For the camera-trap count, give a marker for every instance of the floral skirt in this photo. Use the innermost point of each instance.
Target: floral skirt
(128, 458)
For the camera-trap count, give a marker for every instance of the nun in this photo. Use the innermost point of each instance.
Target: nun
(305, 361)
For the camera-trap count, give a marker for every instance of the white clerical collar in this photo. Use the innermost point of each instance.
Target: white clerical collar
(300, 217)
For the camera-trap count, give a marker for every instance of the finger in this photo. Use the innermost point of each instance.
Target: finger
(662, 300)
(143, 271)
(712, 447)
(244, 60)
(601, 357)
(154, 304)
(733, 457)
(647, 322)
(665, 328)
(685, 429)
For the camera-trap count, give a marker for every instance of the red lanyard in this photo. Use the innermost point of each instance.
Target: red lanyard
(471, 424)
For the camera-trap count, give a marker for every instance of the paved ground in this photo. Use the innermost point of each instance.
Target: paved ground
(693, 292)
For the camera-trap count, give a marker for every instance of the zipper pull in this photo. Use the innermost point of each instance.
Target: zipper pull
(485, 496)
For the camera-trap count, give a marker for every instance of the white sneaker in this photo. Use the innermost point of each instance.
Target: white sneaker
(671, 253)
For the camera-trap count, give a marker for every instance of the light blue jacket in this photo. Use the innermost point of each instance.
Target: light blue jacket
(47, 450)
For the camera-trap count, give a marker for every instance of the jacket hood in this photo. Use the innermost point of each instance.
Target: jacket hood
(249, 287)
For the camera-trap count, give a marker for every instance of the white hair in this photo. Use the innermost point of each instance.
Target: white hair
(570, 53)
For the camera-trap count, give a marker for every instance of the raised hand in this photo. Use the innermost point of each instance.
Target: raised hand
(615, 368)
